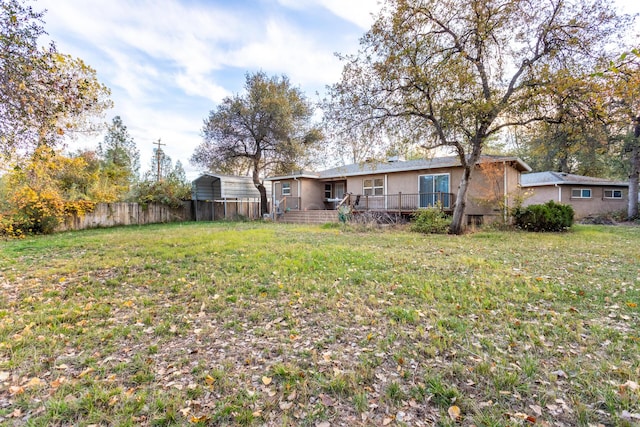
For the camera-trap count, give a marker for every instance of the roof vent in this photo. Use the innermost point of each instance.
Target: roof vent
(394, 159)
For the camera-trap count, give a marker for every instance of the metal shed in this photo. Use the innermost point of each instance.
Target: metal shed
(209, 186)
(218, 196)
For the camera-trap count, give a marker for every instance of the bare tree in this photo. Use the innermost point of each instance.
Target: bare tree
(454, 73)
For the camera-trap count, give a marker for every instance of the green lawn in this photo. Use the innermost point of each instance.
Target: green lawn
(268, 324)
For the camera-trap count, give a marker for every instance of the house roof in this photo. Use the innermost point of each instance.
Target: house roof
(369, 168)
(539, 179)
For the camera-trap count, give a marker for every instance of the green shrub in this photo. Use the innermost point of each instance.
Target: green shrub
(431, 221)
(548, 217)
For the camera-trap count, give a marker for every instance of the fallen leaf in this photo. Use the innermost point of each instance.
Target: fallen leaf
(58, 382)
(85, 372)
(35, 382)
(454, 412)
(537, 409)
(4, 375)
(387, 421)
(285, 406)
(324, 424)
(266, 380)
(16, 389)
(200, 419)
(326, 400)
(523, 416)
(560, 373)
(626, 415)
(630, 385)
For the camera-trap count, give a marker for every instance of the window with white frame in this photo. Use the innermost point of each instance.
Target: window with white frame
(373, 187)
(286, 188)
(613, 194)
(328, 193)
(580, 193)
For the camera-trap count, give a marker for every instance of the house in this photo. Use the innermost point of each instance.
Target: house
(587, 195)
(403, 187)
(229, 195)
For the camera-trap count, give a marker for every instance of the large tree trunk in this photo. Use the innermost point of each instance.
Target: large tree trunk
(457, 226)
(632, 211)
(264, 202)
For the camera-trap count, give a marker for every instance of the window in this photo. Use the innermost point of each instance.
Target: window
(286, 188)
(373, 187)
(613, 194)
(581, 193)
(327, 191)
(434, 189)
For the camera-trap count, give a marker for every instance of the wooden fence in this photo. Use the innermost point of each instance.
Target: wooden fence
(114, 214)
(230, 209)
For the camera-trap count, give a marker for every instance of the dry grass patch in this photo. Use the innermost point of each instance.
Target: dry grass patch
(254, 324)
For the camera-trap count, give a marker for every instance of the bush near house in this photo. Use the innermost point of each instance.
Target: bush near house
(550, 216)
(431, 221)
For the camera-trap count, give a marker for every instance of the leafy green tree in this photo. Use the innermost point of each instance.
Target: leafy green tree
(120, 158)
(170, 188)
(622, 79)
(575, 138)
(44, 94)
(269, 128)
(451, 74)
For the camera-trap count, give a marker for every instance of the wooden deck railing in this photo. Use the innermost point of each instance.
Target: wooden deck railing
(288, 203)
(402, 202)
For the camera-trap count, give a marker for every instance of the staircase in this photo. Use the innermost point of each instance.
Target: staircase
(309, 217)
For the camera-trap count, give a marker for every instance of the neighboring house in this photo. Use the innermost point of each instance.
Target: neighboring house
(587, 195)
(403, 186)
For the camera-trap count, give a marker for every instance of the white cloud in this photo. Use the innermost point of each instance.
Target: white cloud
(168, 62)
(359, 12)
(285, 48)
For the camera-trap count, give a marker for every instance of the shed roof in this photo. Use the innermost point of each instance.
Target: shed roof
(539, 179)
(209, 186)
(369, 168)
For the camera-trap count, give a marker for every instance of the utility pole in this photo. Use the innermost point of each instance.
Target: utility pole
(159, 156)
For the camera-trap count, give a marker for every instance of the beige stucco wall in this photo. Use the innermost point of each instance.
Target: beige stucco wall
(482, 187)
(313, 194)
(596, 205)
(483, 191)
(308, 192)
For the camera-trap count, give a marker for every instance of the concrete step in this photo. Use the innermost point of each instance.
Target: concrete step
(309, 217)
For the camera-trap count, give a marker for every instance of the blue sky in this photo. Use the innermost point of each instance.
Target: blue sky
(170, 62)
